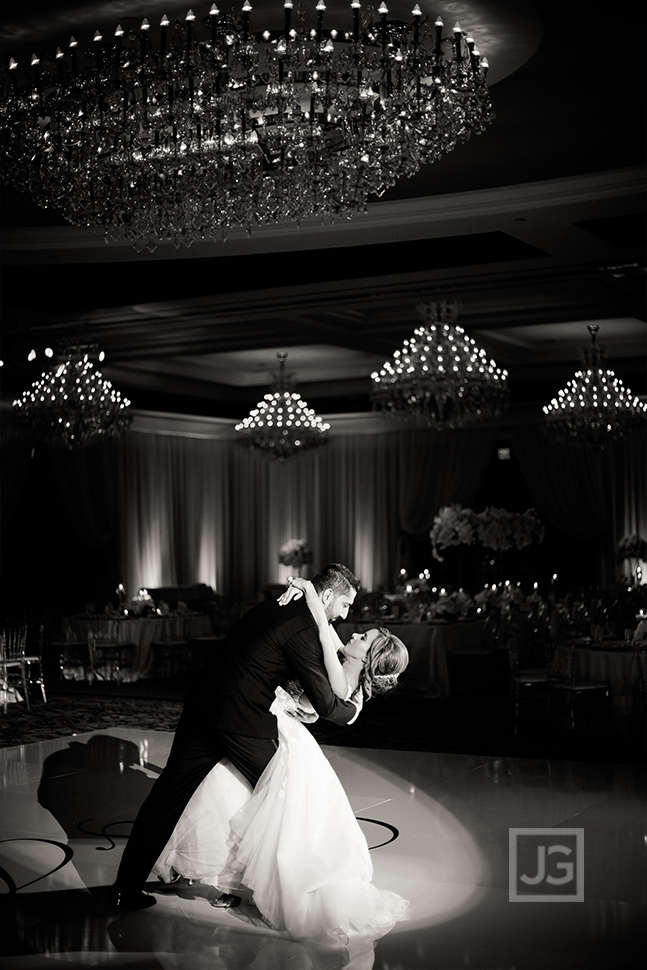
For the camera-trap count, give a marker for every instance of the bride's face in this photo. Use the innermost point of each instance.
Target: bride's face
(359, 645)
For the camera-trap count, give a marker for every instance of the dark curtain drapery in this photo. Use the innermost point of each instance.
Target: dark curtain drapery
(175, 510)
(359, 500)
(85, 481)
(195, 509)
(180, 508)
(15, 458)
(435, 469)
(570, 483)
(59, 525)
(584, 491)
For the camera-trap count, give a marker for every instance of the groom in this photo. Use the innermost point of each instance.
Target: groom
(227, 715)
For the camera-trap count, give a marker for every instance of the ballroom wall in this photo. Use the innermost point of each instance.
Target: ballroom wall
(177, 501)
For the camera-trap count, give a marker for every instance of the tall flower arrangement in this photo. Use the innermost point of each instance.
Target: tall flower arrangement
(494, 528)
(632, 547)
(453, 526)
(295, 553)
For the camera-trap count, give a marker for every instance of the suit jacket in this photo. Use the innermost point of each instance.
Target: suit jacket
(268, 646)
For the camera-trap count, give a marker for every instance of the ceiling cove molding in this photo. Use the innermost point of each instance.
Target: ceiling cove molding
(220, 429)
(361, 423)
(415, 218)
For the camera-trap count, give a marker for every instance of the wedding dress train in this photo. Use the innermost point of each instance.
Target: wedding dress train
(292, 846)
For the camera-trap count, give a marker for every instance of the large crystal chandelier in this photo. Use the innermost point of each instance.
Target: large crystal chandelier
(440, 377)
(282, 424)
(185, 132)
(595, 406)
(72, 404)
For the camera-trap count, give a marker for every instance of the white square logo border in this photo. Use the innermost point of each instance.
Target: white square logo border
(575, 867)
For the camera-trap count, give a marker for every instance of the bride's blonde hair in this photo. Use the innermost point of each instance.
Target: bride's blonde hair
(386, 659)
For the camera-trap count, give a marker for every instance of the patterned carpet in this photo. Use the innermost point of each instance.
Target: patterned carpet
(76, 710)
(474, 722)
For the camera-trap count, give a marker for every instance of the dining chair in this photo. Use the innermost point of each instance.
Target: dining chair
(110, 658)
(74, 659)
(471, 658)
(494, 631)
(563, 682)
(12, 661)
(202, 649)
(640, 705)
(35, 671)
(528, 649)
(52, 637)
(170, 656)
(33, 659)
(222, 614)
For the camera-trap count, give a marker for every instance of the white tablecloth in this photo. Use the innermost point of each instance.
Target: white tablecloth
(141, 631)
(428, 645)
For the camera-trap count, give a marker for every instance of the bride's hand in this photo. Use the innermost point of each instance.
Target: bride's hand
(295, 590)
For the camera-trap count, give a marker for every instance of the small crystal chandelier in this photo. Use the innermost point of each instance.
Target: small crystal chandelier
(72, 405)
(595, 406)
(282, 424)
(440, 378)
(185, 132)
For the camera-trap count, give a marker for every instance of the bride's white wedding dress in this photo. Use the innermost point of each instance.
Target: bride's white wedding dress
(293, 846)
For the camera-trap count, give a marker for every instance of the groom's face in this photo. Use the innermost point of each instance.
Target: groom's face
(337, 607)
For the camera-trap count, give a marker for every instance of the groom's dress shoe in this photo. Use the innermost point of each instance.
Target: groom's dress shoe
(226, 901)
(130, 900)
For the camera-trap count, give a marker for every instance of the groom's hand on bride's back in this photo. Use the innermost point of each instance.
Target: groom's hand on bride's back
(301, 707)
(306, 716)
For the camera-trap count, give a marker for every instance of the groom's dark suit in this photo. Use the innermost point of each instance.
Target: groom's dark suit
(227, 714)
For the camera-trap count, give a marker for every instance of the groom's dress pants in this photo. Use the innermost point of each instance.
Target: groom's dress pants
(193, 754)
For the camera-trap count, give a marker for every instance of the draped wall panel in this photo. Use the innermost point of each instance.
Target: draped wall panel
(437, 468)
(203, 509)
(206, 510)
(587, 492)
(174, 502)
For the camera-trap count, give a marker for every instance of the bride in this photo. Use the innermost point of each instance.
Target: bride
(292, 846)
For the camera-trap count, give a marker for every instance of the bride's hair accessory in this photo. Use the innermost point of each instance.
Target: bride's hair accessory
(385, 680)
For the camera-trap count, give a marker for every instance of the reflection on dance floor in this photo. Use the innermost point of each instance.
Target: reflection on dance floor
(438, 826)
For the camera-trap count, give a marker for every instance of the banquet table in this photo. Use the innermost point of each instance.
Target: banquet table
(140, 631)
(428, 645)
(618, 664)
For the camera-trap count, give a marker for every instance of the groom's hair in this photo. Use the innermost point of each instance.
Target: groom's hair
(337, 577)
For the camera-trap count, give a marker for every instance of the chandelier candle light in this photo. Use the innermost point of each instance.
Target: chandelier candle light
(183, 133)
(72, 405)
(595, 406)
(440, 378)
(282, 424)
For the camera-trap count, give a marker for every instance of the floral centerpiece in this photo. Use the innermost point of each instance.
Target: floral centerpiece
(451, 606)
(142, 603)
(496, 529)
(295, 553)
(632, 547)
(453, 526)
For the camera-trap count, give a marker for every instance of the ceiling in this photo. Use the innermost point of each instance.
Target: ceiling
(536, 226)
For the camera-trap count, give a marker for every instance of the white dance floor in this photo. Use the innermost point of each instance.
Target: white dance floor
(439, 826)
